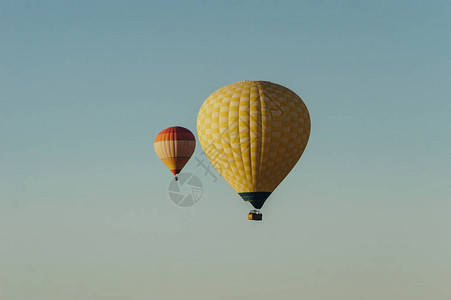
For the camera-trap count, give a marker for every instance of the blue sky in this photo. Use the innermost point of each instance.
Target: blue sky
(86, 85)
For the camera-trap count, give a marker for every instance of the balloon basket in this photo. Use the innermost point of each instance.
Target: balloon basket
(255, 215)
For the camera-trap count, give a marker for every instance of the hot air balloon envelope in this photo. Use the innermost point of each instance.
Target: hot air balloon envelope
(253, 132)
(174, 146)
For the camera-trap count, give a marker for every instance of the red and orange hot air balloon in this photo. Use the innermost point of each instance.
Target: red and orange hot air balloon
(174, 146)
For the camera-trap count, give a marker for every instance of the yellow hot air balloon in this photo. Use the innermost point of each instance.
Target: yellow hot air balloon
(253, 132)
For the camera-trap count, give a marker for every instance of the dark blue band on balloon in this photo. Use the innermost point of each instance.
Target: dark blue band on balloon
(257, 199)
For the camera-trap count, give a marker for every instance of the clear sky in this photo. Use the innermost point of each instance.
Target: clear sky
(84, 210)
